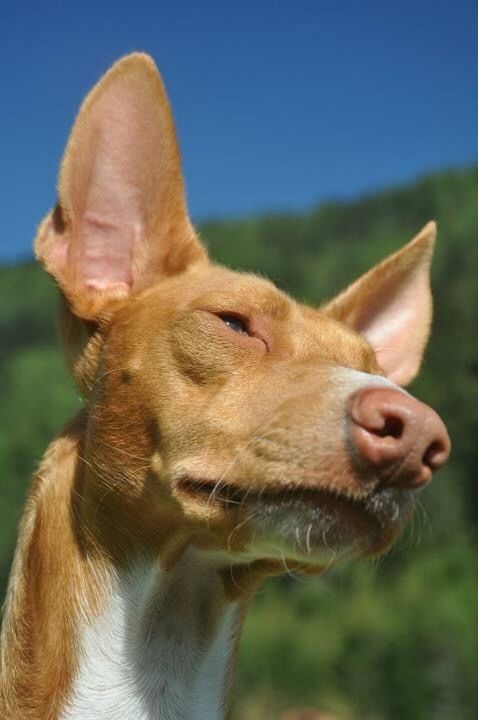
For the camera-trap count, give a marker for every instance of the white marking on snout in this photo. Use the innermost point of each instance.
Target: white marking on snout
(349, 381)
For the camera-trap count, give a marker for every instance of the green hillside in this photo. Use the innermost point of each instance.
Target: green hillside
(388, 642)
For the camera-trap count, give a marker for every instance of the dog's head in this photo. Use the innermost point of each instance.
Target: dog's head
(221, 412)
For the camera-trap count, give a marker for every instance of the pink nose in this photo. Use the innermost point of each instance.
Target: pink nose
(403, 439)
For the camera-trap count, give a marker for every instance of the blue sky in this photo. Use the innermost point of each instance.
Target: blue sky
(279, 105)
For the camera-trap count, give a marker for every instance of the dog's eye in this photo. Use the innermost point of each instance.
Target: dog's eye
(235, 323)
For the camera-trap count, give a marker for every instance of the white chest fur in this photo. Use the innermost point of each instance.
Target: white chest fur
(160, 650)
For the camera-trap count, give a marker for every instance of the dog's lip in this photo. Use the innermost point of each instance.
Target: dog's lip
(385, 507)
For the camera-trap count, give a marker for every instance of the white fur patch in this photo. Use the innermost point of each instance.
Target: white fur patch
(348, 381)
(151, 655)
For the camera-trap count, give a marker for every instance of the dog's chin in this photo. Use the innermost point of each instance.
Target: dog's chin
(330, 529)
(310, 526)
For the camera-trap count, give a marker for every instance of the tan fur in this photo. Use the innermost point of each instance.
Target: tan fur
(173, 397)
(38, 643)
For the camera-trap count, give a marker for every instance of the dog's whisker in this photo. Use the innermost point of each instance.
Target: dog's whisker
(307, 539)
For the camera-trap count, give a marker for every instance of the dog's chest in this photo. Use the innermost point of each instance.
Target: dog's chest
(151, 656)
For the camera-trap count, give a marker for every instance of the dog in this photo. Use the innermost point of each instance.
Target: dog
(226, 429)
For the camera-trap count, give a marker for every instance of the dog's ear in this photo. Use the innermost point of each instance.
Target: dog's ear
(391, 306)
(121, 221)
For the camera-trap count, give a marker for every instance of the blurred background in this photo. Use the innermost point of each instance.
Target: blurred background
(317, 137)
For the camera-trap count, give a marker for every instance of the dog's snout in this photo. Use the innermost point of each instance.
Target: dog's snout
(403, 439)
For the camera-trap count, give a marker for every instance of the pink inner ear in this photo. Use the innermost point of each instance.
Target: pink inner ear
(106, 251)
(110, 211)
(391, 306)
(397, 327)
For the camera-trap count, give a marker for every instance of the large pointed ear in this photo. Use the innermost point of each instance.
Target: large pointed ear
(391, 306)
(121, 221)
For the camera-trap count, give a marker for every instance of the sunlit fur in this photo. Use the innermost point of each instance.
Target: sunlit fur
(204, 459)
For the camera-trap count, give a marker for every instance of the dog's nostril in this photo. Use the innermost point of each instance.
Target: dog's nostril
(393, 427)
(435, 455)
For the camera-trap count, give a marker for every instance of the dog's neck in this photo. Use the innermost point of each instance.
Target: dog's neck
(86, 637)
(162, 648)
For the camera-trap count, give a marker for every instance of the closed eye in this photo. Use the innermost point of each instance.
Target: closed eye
(235, 323)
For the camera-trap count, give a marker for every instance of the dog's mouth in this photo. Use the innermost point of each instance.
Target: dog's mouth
(379, 515)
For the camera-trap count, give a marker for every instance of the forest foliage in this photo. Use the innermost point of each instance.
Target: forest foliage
(368, 642)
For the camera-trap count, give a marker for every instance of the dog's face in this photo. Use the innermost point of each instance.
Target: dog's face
(220, 411)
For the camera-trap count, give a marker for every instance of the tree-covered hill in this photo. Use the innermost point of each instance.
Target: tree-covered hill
(396, 642)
